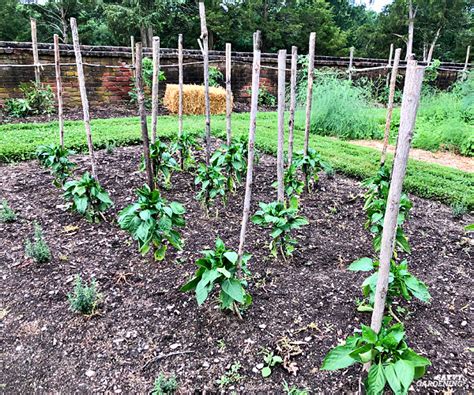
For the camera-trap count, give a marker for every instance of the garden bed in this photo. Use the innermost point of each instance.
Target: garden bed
(47, 348)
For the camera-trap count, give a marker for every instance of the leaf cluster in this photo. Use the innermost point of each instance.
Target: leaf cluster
(270, 360)
(185, 144)
(87, 197)
(56, 158)
(84, 298)
(311, 163)
(152, 222)
(164, 385)
(38, 99)
(7, 214)
(163, 162)
(233, 160)
(37, 248)
(212, 184)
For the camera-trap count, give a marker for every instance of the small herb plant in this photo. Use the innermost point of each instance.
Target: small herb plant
(311, 164)
(37, 248)
(185, 144)
(164, 385)
(220, 266)
(56, 158)
(233, 159)
(458, 209)
(163, 162)
(87, 197)
(270, 360)
(153, 222)
(231, 376)
(401, 282)
(7, 215)
(282, 220)
(212, 183)
(84, 298)
(393, 362)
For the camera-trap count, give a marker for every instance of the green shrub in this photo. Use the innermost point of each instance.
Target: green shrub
(342, 110)
(6, 213)
(55, 157)
(164, 385)
(84, 298)
(458, 209)
(37, 249)
(215, 76)
(38, 99)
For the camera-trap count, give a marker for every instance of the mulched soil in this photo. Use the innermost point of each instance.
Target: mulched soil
(310, 300)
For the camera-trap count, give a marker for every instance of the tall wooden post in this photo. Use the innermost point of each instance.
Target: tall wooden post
(34, 45)
(155, 87)
(59, 89)
(389, 65)
(410, 101)
(391, 95)
(84, 99)
(142, 112)
(309, 94)
(351, 60)
(281, 123)
(291, 123)
(464, 70)
(251, 144)
(132, 46)
(180, 84)
(228, 89)
(205, 53)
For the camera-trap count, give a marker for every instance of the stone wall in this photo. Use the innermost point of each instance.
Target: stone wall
(107, 85)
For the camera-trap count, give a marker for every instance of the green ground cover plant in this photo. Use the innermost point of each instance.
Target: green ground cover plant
(7, 215)
(84, 298)
(37, 248)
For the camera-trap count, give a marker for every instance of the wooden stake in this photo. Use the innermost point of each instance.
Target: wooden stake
(351, 59)
(391, 95)
(84, 99)
(155, 87)
(59, 89)
(281, 123)
(291, 123)
(411, 29)
(180, 83)
(34, 45)
(205, 53)
(142, 112)
(432, 47)
(132, 45)
(411, 98)
(389, 65)
(228, 89)
(251, 146)
(309, 94)
(464, 71)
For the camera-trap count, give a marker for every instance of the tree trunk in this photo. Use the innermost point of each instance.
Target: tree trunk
(149, 32)
(155, 87)
(391, 95)
(411, 97)
(59, 89)
(351, 60)
(281, 123)
(144, 36)
(251, 145)
(432, 47)
(228, 89)
(34, 45)
(291, 124)
(142, 112)
(205, 54)
(84, 99)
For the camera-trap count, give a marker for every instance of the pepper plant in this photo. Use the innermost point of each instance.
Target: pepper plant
(162, 162)
(153, 222)
(87, 197)
(233, 159)
(293, 185)
(55, 158)
(212, 185)
(220, 266)
(282, 220)
(401, 282)
(311, 164)
(185, 144)
(393, 363)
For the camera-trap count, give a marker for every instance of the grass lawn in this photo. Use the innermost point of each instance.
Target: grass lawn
(19, 141)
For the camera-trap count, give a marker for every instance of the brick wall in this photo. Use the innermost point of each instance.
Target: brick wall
(111, 85)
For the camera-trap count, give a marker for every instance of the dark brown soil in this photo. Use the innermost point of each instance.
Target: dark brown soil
(47, 348)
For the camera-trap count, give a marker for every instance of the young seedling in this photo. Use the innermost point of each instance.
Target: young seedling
(87, 197)
(55, 158)
(37, 249)
(270, 360)
(230, 376)
(212, 183)
(392, 361)
(220, 266)
(84, 298)
(282, 220)
(7, 215)
(311, 164)
(164, 385)
(153, 222)
(402, 284)
(293, 390)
